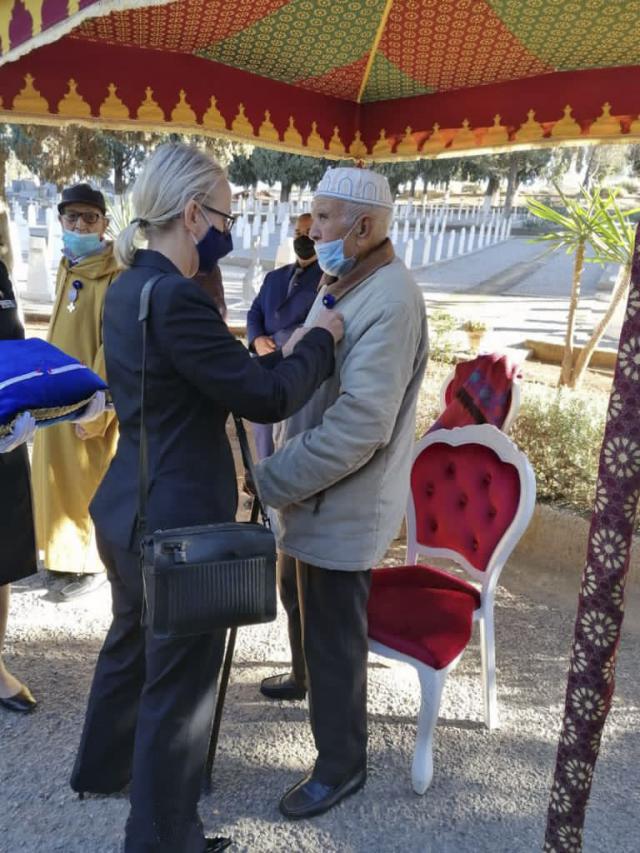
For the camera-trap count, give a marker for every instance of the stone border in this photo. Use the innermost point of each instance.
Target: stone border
(556, 540)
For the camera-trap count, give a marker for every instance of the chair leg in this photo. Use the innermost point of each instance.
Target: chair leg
(488, 652)
(431, 686)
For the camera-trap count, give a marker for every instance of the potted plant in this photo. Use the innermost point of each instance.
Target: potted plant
(475, 330)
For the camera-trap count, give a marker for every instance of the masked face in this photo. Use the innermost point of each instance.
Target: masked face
(77, 245)
(304, 247)
(331, 257)
(213, 246)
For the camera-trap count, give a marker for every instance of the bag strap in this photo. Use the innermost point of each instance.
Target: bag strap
(143, 458)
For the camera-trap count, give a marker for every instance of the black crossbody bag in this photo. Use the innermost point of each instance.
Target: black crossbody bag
(197, 579)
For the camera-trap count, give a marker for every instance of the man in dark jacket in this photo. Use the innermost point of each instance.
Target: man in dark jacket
(278, 310)
(286, 295)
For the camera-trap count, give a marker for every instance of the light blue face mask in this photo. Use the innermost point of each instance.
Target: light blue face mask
(331, 257)
(77, 245)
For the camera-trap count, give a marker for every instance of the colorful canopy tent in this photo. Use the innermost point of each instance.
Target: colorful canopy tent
(380, 80)
(370, 79)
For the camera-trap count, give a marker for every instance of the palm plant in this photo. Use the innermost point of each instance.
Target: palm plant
(613, 241)
(572, 230)
(120, 213)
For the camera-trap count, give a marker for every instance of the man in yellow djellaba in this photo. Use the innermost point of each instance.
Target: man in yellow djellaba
(70, 460)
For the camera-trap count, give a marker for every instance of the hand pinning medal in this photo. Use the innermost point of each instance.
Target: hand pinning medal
(74, 290)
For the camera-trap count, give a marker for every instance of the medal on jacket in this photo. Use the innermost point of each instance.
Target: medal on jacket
(6, 303)
(74, 290)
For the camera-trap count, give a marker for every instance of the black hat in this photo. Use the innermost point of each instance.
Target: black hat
(83, 193)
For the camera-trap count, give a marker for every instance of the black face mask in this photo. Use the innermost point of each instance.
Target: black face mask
(304, 247)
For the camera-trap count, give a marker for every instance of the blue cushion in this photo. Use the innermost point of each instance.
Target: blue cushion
(37, 377)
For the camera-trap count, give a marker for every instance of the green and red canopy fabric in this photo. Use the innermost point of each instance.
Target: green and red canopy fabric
(370, 79)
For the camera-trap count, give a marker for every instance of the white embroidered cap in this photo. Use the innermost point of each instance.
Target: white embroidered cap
(358, 185)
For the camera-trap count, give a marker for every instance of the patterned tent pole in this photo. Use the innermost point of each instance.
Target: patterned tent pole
(591, 679)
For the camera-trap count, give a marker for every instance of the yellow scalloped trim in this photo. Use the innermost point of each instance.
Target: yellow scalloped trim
(241, 123)
(213, 118)
(567, 127)
(182, 113)
(112, 106)
(267, 129)
(29, 99)
(606, 124)
(407, 144)
(335, 143)
(292, 136)
(73, 105)
(149, 109)
(314, 141)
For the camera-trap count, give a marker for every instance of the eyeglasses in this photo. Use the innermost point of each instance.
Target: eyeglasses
(87, 217)
(229, 218)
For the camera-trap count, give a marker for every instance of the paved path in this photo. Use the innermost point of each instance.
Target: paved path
(489, 793)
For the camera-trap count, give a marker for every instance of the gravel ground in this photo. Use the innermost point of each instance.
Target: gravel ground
(489, 791)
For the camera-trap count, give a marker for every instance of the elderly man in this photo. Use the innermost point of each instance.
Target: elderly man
(70, 460)
(340, 476)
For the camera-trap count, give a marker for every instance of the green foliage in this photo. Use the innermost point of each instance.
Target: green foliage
(474, 326)
(559, 430)
(272, 166)
(613, 239)
(561, 433)
(573, 226)
(441, 345)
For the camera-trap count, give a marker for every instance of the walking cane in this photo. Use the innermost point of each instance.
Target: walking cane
(222, 690)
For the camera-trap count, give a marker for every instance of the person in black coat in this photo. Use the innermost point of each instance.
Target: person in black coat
(18, 557)
(150, 708)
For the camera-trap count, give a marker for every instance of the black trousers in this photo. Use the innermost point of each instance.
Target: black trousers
(333, 608)
(288, 590)
(149, 718)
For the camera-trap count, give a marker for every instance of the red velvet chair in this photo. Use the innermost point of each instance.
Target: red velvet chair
(483, 389)
(472, 496)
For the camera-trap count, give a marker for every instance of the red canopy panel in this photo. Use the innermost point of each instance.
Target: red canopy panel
(371, 79)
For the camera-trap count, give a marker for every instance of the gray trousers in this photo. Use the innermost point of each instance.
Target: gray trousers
(328, 633)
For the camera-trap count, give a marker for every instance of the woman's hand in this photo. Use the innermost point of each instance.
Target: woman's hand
(263, 344)
(332, 321)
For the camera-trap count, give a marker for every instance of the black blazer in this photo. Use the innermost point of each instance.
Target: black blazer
(197, 372)
(18, 550)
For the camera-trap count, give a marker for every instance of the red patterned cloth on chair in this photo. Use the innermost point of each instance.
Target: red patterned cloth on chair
(479, 393)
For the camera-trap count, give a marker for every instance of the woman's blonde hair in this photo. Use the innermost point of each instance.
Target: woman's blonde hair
(173, 175)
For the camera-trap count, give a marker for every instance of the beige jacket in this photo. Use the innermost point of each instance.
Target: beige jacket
(339, 479)
(67, 470)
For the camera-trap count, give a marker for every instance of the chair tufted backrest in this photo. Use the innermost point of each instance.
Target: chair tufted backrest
(465, 497)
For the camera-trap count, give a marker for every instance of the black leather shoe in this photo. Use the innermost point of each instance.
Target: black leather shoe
(282, 687)
(310, 797)
(22, 703)
(217, 843)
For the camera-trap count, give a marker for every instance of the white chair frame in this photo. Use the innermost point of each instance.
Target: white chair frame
(514, 405)
(432, 680)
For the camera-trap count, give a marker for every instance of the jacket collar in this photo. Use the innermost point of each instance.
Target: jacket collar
(378, 257)
(155, 260)
(95, 265)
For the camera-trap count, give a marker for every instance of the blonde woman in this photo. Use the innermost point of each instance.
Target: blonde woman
(151, 703)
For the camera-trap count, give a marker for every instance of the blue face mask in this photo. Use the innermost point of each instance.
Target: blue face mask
(331, 256)
(77, 245)
(212, 247)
